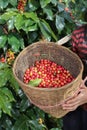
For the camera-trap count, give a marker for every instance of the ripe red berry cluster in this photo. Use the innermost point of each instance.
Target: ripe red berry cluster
(8, 58)
(50, 73)
(21, 5)
(2, 59)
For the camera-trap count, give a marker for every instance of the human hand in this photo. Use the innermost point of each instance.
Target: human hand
(78, 99)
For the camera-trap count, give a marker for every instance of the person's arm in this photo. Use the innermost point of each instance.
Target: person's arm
(78, 99)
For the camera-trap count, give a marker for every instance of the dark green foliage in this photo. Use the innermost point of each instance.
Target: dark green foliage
(41, 20)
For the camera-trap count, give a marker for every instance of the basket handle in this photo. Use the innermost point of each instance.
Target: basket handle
(64, 40)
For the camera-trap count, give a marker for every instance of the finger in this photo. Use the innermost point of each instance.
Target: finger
(72, 100)
(85, 78)
(77, 92)
(71, 104)
(70, 108)
(83, 82)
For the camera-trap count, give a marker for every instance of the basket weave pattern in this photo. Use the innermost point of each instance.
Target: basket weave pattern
(48, 99)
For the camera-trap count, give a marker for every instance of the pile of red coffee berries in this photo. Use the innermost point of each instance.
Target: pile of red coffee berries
(48, 73)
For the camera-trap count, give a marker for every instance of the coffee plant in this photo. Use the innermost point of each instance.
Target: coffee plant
(23, 22)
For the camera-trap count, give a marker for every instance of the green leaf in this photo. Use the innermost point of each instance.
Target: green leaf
(61, 7)
(19, 21)
(3, 40)
(24, 104)
(33, 5)
(15, 41)
(3, 4)
(31, 28)
(8, 93)
(26, 21)
(55, 2)
(35, 82)
(32, 36)
(60, 23)
(48, 11)
(29, 25)
(2, 21)
(31, 113)
(1, 30)
(34, 125)
(32, 16)
(46, 30)
(45, 34)
(8, 15)
(13, 2)
(13, 83)
(67, 16)
(39, 112)
(7, 125)
(21, 123)
(10, 23)
(29, 22)
(44, 3)
(4, 76)
(5, 105)
(3, 66)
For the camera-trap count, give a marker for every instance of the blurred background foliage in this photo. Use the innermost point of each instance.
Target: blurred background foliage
(23, 22)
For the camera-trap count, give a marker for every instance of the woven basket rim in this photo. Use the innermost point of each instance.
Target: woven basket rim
(46, 89)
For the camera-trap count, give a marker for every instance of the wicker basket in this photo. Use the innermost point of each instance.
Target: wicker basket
(48, 99)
